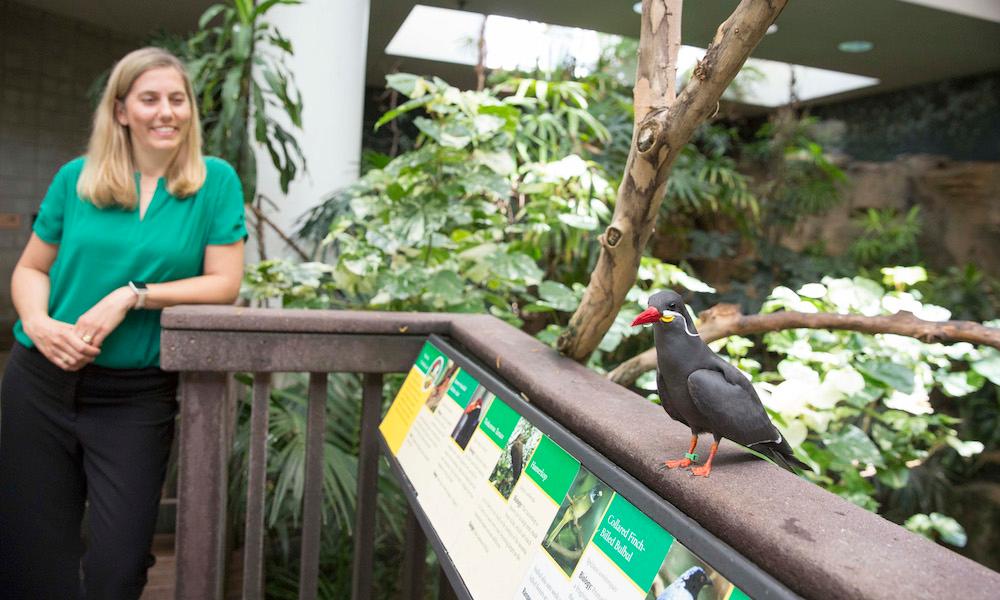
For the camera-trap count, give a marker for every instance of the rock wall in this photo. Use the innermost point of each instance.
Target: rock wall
(959, 201)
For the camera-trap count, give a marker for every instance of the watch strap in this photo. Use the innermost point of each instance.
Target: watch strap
(140, 290)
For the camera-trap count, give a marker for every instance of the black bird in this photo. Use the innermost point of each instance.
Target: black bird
(516, 459)
(703, 391)
(687, 586)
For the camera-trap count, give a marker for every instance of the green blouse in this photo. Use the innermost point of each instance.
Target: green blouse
(103, 249)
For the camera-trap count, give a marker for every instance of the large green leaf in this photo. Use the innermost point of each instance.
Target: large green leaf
(402, 109)
(852, 446)
(557, 296)
(891, 374)
(210, 13)
(989, 365)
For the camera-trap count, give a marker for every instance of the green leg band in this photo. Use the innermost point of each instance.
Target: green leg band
(691, 456)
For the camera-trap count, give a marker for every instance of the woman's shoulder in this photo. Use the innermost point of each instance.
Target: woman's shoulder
(217, 167)
(72, 168)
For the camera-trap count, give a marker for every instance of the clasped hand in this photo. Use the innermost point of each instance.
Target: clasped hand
(71, 347)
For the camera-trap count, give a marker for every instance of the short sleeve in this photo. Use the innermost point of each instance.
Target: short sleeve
(228, 224)
(49, 223)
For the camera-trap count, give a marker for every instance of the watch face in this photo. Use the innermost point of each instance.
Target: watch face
(139, 285)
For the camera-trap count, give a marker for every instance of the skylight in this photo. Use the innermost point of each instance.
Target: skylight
(447, 35)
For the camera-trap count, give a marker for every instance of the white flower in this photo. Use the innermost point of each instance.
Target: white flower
(812, 290)
(817, 420)
(858, 294)
(846, 380)
(893, 302)
(905, 276)
(965, 449)
(917, 403)
(789, 397)
(932, 312)
(794, 433)
(794, 370)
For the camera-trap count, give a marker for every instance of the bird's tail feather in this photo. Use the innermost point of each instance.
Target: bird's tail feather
(781, 455)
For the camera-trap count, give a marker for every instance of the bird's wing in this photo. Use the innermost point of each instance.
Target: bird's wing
(665, 401)
(731, 407)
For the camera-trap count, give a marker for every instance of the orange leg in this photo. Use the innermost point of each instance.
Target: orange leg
(683, 462)
(704, 471)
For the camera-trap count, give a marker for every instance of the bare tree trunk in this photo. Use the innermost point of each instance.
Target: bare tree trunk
(724, 320)
(481, 58)
(662, 127)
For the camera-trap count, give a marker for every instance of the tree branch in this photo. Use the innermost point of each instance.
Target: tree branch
(724, 320)
(263, 220)
(662, 128)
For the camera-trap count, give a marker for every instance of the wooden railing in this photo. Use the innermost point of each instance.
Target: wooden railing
(812, 542)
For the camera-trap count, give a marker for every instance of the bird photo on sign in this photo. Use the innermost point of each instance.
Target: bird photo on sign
(514, 459)
(683, 576)
(469, 421)
(576, 520)
(439, 381)
(700, 389)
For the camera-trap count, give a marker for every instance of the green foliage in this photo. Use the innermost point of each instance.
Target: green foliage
(887, 238)
(798, 179)
(497, 206)
(285, 485)
(472, 218)
(856, 407)
(239, 75)
(936, 526)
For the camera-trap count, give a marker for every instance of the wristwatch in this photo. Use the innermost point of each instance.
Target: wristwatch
(140, 290)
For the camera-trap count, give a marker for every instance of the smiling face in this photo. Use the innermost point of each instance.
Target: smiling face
(157, 112)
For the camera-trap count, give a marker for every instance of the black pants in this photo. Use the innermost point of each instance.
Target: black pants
(100, 436)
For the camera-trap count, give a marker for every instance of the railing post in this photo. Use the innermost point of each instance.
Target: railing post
(414, 559)
(312, 509)
(253, 548)
(201, 515)
(368, 455)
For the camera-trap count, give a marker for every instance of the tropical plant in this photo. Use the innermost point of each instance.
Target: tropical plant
(887, 237)
(796, 179)
(472, 219)
(858, 408)
(238, 69)
(463, 222)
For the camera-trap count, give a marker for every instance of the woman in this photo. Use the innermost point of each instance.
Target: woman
(142, 222)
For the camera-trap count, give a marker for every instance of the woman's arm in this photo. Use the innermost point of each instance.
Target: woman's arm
(220, 284)
(29, 288)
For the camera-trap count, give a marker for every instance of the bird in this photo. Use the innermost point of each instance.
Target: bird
(687, 586)
(467, 423)
(701, 390)
(516, 460)
(578, 506)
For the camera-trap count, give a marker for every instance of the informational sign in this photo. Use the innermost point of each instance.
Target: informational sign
(520, 516)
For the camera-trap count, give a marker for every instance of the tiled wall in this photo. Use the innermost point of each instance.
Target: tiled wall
(47, 64)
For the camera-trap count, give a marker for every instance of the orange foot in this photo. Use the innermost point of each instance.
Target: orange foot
(679, 463)
(701, 471)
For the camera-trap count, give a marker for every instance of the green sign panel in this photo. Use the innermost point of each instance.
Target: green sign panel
(430, 354)
(462, 388)
(499, 422)
(553, 469)
(738, 594)
(632, 541)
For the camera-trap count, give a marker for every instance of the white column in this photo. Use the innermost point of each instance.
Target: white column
(330, 42)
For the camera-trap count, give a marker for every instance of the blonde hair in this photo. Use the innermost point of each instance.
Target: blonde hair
(107, 178)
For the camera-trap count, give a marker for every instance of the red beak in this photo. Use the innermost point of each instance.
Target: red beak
(650, 315)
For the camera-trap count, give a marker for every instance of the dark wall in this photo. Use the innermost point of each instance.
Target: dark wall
(48, 63)
(958, 118)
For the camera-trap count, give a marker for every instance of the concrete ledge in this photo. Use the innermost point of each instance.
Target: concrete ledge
(816, 543)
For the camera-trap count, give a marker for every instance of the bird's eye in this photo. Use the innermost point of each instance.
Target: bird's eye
(673, 305)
